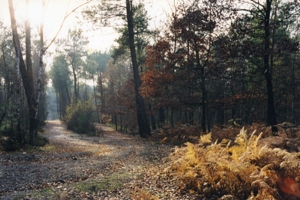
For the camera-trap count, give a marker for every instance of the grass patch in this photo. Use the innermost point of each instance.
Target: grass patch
(37, 194)
(48, 148)
(43, 193)
(110, 183)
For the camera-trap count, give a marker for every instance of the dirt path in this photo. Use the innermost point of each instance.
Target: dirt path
(72, 166)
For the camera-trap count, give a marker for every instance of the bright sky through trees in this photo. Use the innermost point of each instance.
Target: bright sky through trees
(55, 11)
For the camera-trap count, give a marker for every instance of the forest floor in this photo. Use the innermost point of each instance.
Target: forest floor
(112, 165)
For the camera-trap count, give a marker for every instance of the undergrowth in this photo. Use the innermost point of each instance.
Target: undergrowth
(78, 117)
(243, 170)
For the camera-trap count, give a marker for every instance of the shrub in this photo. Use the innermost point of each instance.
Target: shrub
(9, 140)
(177, 135)
(40, 141)
(245, 170)
(79, 117)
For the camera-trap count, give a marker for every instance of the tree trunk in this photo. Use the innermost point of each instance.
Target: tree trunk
(162, 117)
(203, 121)
(271, 120)
(75, 84)
(40, 73)
(153, 124)
(101, 90)
(204, 92)
(26, 72)
(144, 127)
(97, 106)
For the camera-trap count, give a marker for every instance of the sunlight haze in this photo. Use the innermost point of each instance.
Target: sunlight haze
(55, 11)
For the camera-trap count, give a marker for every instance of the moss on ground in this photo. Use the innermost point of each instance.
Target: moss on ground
(109, 183)
(44, 193)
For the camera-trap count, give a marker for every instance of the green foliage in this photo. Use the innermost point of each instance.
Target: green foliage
(242, 171)
(8, 137)
(40, 141)
(79, 117)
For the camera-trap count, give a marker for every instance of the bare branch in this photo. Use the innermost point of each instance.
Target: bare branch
(64, 20)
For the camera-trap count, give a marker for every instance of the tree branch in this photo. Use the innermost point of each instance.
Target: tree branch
(64, 20)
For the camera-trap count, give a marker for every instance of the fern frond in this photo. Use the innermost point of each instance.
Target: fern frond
(242, 138)
(236, 169)
(253, 133)
(206, 139)
(291, 161)
(258, 138)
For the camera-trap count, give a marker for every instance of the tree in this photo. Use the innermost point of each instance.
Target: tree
(268, 21)
(142, 36)
(11, 93)
(32, 91)
(184, 57)
(61, 81)
(75, 50)
(26, 70)
(96, 65)
(110, 10)
(144, 128)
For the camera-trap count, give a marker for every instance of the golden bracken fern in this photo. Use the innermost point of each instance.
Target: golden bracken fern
(243, 170)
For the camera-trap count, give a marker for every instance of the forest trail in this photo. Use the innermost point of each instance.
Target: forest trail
(73, 166)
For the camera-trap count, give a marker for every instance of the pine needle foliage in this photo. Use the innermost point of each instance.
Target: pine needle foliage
(244, 170)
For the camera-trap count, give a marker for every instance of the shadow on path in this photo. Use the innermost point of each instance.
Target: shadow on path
(72, 158)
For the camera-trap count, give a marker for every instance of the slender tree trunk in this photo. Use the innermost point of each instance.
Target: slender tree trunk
(32, 109)
(153, 124)
(204, 92)
(203, 121)
(75, 85)
(121, 123)
(172, 118)
(68, 100)
(271, 119)
(144, 127)
(18, 102)
(294, 92)
(101, 93)
(162, 117)
(41, 63)
(116, 121)
(97, 107)
(58, 105)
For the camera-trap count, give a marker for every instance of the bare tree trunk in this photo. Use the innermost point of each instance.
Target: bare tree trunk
(75, 84)
(26, 72)
(40, 73)
(162, 117)
(153, 124)
(144, 127)
(102, 99)
(18, 101)
(271, 120)
(32, 109)
(96, 104)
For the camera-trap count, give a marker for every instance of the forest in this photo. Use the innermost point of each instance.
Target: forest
(216, 90)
